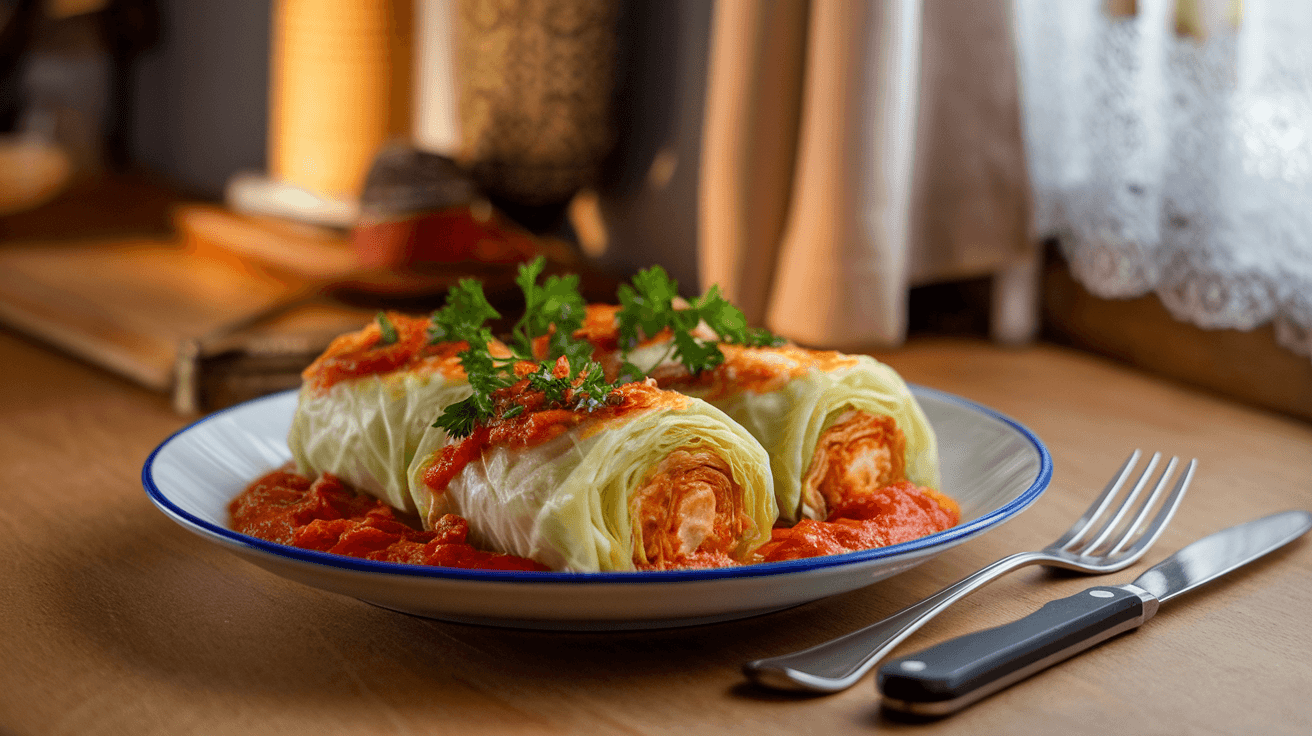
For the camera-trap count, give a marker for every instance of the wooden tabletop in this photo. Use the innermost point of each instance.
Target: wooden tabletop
(116, 620)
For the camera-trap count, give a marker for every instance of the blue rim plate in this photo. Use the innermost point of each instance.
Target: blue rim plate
(992, 465)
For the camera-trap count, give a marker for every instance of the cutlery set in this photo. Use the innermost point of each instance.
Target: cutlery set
(950, 676)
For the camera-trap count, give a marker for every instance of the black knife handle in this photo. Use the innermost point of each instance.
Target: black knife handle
(947, 677)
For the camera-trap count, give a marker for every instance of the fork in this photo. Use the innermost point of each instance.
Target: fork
(1094, 544)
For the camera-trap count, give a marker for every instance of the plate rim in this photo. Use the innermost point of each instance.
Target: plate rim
(949, 537)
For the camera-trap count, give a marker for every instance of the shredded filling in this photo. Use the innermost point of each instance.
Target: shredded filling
(860, 454)
(687, 513)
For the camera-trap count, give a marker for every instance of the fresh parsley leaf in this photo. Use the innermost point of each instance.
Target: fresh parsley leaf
(696, 355)
(460, 418)
(554, 307)
(577, 352)
(553, 387)
(724, 318)
(386, 330)
(484, 373)
(759, 337)
(527, 276)
(464, 314)
(730, 323)
(647, 307)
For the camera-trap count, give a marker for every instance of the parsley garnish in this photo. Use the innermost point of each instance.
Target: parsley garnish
(555, 304)
(648, 307)
(460, 418)
(386, 330)
(464, 315)
(554, 308)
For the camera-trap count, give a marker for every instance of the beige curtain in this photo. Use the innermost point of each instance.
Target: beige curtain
(854, 149)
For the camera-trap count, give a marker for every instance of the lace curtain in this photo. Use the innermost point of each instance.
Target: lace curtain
(1170, 151)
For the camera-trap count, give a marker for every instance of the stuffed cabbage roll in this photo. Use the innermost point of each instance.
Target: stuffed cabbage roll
(835, 426)
(649, 480)
(368, 400)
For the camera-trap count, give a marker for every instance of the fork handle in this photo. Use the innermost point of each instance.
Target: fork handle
(839, 663)
(946, 678)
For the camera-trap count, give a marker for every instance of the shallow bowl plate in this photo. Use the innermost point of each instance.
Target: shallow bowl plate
(993, 466)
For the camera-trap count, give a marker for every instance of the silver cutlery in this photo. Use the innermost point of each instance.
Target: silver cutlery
(1097, 543)
(948, 677)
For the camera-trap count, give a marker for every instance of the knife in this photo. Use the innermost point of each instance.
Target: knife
(946, 678)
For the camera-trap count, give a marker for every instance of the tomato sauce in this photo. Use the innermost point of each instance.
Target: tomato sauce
(327, 516)
(538, 422)
(364, 353)
(896, 513)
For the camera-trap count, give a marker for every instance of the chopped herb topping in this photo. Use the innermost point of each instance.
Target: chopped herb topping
(649, 306)
(386, 330)
(464, 315)
(554, 309)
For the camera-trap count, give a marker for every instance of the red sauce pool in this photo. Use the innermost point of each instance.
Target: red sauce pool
(328, 516)
(894, 514)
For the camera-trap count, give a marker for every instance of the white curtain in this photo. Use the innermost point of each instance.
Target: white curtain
(814, 158)
(1170, 148)
(877, 150)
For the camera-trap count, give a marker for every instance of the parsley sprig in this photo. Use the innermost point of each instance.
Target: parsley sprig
(554, 309)
(386, 330)
(651, 304)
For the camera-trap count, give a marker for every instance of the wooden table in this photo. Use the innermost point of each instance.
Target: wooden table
(116, 620)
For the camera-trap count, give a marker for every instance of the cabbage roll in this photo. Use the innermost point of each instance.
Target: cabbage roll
(651, 480)
(835, 426)
(368, 400)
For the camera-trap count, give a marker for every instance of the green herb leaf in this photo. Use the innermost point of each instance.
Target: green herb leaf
(759, 337)
(460, 418)
(648, 306)
(463, 316)
(386, 330)
(724, 318)
(696, 355)
(554, 307)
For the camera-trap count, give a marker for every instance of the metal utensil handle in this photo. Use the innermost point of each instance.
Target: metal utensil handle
(837, 664)
(946, 678)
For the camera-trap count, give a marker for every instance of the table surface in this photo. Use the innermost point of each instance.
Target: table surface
(116, 620)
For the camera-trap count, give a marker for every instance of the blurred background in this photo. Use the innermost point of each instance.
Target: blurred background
(197, 196)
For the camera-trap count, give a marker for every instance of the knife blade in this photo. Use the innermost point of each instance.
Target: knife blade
(946, 678)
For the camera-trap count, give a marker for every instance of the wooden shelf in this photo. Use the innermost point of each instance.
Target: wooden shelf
(1246, 366)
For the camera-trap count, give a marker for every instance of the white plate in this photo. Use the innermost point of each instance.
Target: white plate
(993, 467)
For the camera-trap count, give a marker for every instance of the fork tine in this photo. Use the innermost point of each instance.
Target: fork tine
(1129, 502)
(1099, 505)
(1129, 533)
(1163, 516)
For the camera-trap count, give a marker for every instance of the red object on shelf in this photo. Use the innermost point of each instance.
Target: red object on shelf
(451, 235)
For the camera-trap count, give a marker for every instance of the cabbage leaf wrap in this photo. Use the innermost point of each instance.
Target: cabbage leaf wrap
(788, 397)
(366, 431)
(364, 406)
(576, 502)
